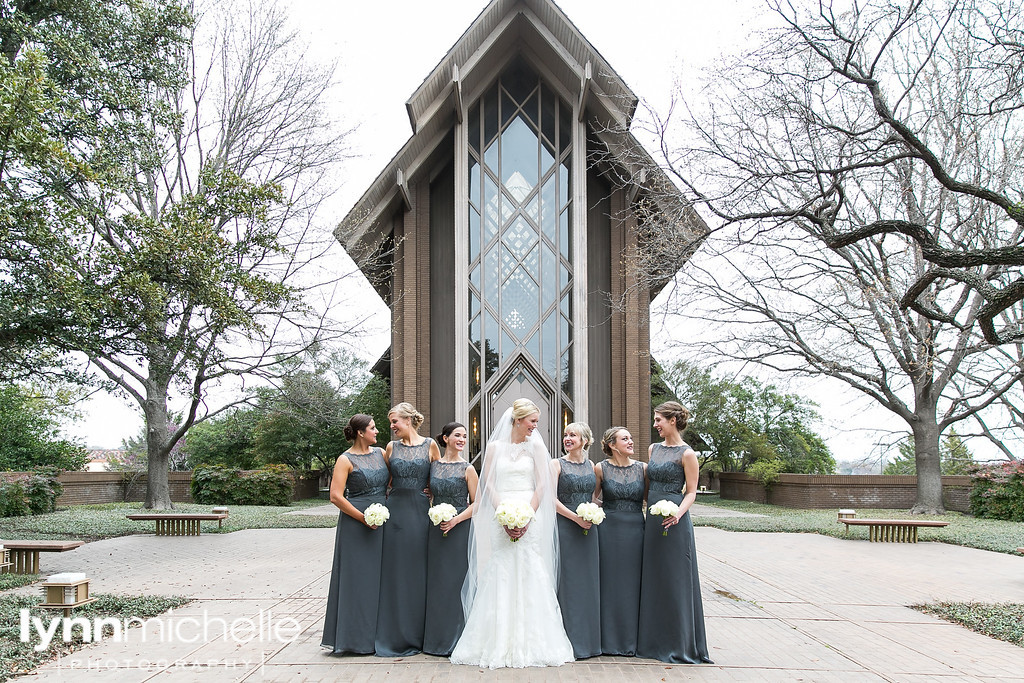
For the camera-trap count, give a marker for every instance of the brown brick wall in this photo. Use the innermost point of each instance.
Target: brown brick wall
(810, 491)
(94, 488)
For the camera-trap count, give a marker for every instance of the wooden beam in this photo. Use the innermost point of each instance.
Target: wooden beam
(588, 80)
(403, 189)
(457, 90)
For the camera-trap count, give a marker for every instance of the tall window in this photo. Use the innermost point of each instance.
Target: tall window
(520, 251)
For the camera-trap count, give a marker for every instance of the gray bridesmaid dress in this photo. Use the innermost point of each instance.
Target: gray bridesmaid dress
(447, 561)
(621, 551)
(351, 620)
(403, 572)
(671, 610)
(579, 585)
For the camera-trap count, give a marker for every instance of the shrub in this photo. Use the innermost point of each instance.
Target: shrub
(998, 491)
(33, 493)
(219, 485)
(766, 471)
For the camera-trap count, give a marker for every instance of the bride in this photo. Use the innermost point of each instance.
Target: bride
(512, 613)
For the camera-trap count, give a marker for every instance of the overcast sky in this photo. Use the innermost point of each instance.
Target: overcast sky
(385, 49)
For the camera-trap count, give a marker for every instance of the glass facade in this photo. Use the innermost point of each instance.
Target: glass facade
(520, 236)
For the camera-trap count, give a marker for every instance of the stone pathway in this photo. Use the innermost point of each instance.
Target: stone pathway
(779, 607)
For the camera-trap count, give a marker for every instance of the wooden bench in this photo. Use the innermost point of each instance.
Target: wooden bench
(894, 530)
(24, 555)
(179, 523)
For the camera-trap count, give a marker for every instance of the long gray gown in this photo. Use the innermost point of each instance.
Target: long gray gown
(671, 610)
(351, 620)
(579, 585)
(447, 561)
(621, 550)
(403, 573)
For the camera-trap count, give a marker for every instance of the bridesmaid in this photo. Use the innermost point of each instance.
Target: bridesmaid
(452, 480)
(622, 482)
(360, 478)
(579, 588)
(671, 611)
(403, 581)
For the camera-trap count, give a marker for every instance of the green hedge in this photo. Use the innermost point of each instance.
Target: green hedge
(219, 485)
(33, 493)
(998, 491)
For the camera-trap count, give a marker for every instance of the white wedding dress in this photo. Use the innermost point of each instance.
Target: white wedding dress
(514, 620)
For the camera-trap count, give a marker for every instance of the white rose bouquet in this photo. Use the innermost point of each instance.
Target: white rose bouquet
(376, 514)
(665, 508)
(442, 512)
(590, 512)
(514, 515)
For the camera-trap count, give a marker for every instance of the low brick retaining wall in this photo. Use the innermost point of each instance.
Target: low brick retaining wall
(842, 490)
(96, 488)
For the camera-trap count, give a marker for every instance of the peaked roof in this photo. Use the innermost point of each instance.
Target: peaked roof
(541, 33)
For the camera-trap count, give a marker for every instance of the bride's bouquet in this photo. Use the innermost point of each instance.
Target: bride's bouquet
(665, 508)
(376, 514)
(442, 512)
(590, 512)
(514, 515)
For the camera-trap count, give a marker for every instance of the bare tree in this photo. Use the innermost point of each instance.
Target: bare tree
(934, 86)
(213, 257)
(863, 169)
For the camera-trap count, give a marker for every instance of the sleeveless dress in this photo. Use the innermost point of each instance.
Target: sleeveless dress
(671, 610)
(403, 577)
(351, 620)
(579, 587)
(621, 551)
(447, 560)
(515, 620)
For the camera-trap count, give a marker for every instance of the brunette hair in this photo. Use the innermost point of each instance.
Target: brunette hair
(446, 431)
(673, 410)
(609, 438)
(357, 423)
(584, 432)
(406, 410)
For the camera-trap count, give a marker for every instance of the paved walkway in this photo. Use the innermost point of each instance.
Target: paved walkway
(779, 607)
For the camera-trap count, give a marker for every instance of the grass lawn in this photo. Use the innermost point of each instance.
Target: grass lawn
(1003, 621)
(18, 658)
(93, 522)
(985, 534)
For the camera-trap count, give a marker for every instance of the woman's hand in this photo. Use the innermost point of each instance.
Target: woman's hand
(515, 534)
(362, 518)
(584, 524)
(448, 525)
(671, 520)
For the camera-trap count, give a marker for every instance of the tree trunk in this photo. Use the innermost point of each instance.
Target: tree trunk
(158, 490)
(929, 466)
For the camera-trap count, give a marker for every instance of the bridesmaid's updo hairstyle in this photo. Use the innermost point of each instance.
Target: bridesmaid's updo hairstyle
(446, 431)
(405, 410)
(523, 407)
(674, 410)
(357, 423)
(583, 430)
(609, 438)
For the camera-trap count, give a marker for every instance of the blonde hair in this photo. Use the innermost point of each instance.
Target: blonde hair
(673, 410)
(523, 407)
(405, 410)
(609, 438)
(583, 430)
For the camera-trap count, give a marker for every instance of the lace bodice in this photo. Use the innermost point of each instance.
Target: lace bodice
(622, 488)
(448, 483)
(665, 470)
(369, 475)
(513, 470)
(410, 465)
(576, 482)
